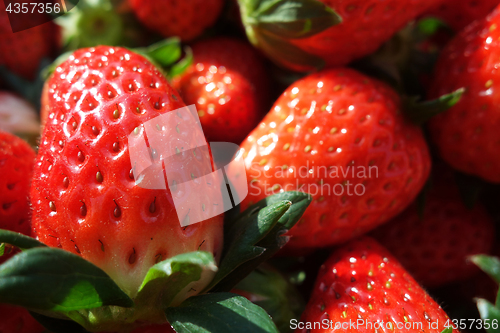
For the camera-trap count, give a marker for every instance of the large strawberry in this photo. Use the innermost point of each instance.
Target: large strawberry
(362, 288)
(417, 241)
(85, 199)
(16, 166)
(467, 134)
(459, 13)
(185, 19)
(311, 36)
(340, 136)
(22, 51)
(229, 86)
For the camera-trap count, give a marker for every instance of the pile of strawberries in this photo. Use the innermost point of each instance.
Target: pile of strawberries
(369, 132)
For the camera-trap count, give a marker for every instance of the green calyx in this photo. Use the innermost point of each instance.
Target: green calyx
(91, 23)
(420, 112)
(272, 25)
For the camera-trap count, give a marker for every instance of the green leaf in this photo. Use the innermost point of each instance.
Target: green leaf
(294, 18)
(19, 240)
(420, 112)
(268, 289)
(489, 313)
(2, 249)
(165, 52)
(256, 235)
(170, 281)
(488, 264)
(183, 64)
(55, 325)
(284, 53)
(219, 313)
(53, 279)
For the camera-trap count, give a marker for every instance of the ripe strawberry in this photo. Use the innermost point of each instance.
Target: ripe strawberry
(229, 86)
(365, 26)
(22, 51)
(419, 246)
(467, 134)
(459, 14)
(185, 19)
(15, 319)
(362, 284)
(341, 137)
(84, 196)
(16, 165)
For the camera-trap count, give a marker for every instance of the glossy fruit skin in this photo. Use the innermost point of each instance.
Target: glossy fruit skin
(185, 19)
(363, 281)
(17, 159)
(84, 196)
(22, 51)
(228, 85)
(419, 246)
(460, 13)
(366, 25)
(467, 134)
(15, 319)
(344, 119)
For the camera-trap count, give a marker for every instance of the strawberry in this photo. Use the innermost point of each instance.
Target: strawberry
(17, 115)
(22, 51)
(362, 285)
(84, 196)
(340, 136)
(15, 319)
(459, 14)
(467, 134)
(16, 165)
(185, 19)
(229, 86)
(419, 245)
(315, 36)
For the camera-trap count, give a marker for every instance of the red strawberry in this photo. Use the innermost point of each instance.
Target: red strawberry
(365, 26)
(22, 51)
(16, 165)
(467, 134)
(229, 86)
(185, 19)
(84, 196)
(434, 249)
(14, 319)
(361, 285)
(460, 13)
(340, 136)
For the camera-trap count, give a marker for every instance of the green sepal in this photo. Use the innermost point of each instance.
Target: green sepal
(164, 53)
(488, 264)
(256, 235)
(293, 18)
(19, 240)
(53, 279)
(219, 313)
(182, 65)
(165, 283)
(489, 313)
(428, 26)
(56, 325)
(420, 112)
(268, 289)
(272, 25)
(2, 249)
(448, 329)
